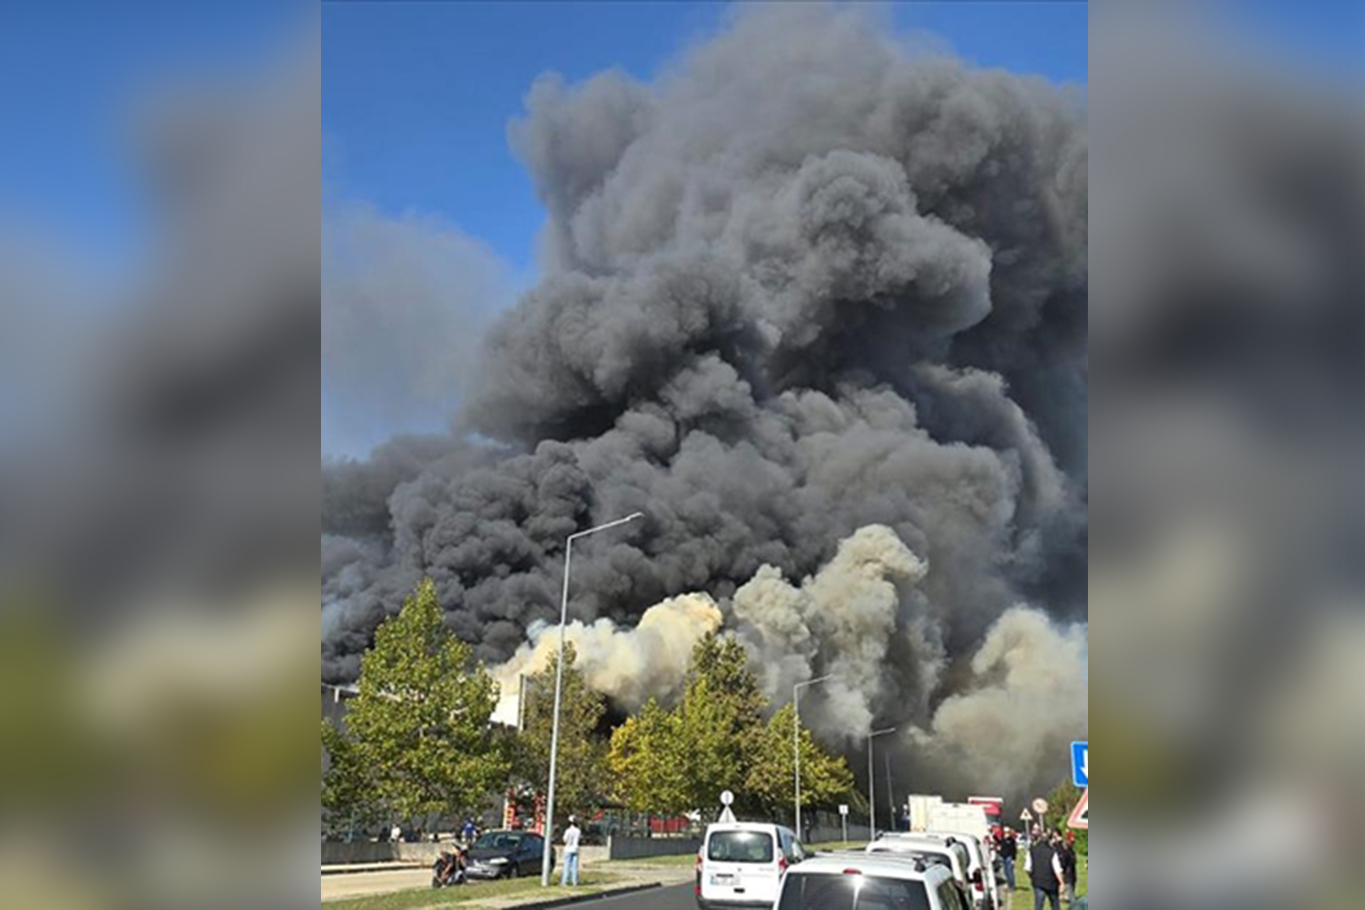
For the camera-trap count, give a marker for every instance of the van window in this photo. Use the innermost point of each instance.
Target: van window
(852, 892)
(740, 846)
(949, 896)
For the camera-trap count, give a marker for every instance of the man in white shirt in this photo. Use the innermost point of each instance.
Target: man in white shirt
(569, 875)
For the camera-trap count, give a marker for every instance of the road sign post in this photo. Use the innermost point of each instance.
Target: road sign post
(843, 819)
(1080, 764)
(1040, 807)
(726, 814)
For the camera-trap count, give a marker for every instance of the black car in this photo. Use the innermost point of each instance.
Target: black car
(506, 854)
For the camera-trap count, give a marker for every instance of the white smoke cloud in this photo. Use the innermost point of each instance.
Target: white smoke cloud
(1007, 730)
(626, 665)
(840, 620)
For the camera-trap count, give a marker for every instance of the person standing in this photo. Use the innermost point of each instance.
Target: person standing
(1044, 869)
(569, 876)
(469, 831)
(1067, 854)
(1009, 851)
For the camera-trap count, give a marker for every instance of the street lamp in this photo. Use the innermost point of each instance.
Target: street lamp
(872, 785)
(559, 687)
(796, 739)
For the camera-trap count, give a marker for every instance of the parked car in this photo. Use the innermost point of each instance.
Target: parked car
(980, 868)
(854, 881)
(506, 854)
(741, 864)
(951, 856)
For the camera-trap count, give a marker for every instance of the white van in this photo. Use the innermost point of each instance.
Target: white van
(864, 881)
(953, 856)
(980, 871)
(741, 864)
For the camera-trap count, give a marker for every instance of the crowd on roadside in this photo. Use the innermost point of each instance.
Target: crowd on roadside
(1049, 862)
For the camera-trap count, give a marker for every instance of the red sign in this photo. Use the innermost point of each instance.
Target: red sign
(1080, 816)
(994, 805)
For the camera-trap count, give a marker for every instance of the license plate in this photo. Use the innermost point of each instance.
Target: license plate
(722, 878)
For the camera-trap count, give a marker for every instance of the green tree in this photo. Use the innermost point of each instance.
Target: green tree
(1060, 802)
(421, 721)
(719, 722)
(825, 779)
(347, 784)
(580, 772)
(646, 762)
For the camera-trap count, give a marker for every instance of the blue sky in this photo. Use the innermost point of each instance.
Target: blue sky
(72, 74)
(416, 96)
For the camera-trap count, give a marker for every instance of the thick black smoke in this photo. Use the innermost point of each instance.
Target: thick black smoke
(804, 283)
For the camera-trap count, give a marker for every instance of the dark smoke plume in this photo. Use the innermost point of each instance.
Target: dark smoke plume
(805, 283)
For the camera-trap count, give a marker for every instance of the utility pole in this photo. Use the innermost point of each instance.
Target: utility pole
(872, 784)
(559, 688)
(796, 741)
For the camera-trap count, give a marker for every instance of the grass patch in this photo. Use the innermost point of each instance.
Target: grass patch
(1023, 892)
(470, 895)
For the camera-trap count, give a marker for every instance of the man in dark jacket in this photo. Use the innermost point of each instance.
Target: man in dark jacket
(1009, 852)
(1044, 869)
(1067, 854)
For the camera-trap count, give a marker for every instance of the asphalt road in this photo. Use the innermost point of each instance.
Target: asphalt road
(674, 897)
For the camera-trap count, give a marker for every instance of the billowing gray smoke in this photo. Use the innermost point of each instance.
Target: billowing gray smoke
(805, 283)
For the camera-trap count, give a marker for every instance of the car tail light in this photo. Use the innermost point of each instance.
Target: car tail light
(781, 864)
(853, 872)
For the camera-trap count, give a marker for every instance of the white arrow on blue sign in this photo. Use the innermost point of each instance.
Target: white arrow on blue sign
(1080, 763)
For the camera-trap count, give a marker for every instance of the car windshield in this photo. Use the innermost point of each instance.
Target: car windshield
(740, 846)
(498, 840)
(851, 892)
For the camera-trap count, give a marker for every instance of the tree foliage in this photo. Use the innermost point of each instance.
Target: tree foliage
(348, 792)
(580, 772)
(418, 733)
(647, 762)
(772, 779)
(720, 719)
(714, 739)
(1060, 802)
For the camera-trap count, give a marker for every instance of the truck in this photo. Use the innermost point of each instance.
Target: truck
(931, 813)
(995, 809)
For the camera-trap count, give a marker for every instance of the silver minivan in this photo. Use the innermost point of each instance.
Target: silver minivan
(741, 864)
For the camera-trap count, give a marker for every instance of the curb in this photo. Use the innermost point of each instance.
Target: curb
(580, 898)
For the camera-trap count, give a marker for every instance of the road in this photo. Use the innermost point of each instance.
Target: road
(674, 897)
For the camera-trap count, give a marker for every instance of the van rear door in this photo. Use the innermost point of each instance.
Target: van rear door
(741, 866)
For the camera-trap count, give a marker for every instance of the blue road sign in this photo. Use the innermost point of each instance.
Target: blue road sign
(1080, 763)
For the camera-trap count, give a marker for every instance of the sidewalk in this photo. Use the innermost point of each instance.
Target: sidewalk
(391, 865)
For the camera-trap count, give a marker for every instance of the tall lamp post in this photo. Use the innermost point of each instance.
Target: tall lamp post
(796, 739)
(559, 688)
(872, 784)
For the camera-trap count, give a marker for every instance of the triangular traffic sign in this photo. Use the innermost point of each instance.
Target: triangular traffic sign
(1080, 816)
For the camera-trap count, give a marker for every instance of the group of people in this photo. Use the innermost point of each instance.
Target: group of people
(1049, 862)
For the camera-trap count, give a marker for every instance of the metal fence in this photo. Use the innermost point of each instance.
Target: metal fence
(629, 847)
